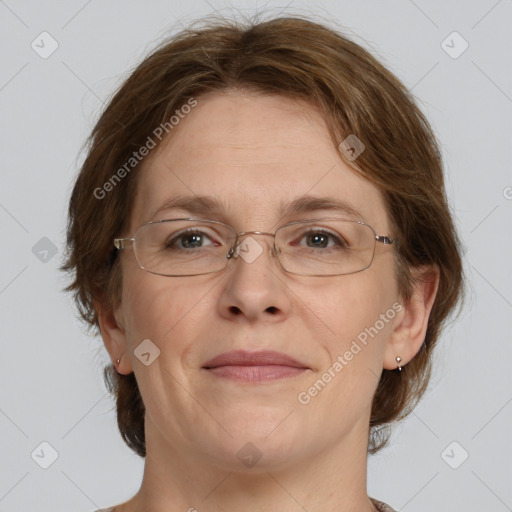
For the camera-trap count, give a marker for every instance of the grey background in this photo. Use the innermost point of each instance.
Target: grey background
(50, 370)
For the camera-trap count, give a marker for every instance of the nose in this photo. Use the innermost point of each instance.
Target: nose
(249, 248)
(253, 290)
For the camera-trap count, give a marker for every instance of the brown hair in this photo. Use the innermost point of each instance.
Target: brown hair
(301, 59)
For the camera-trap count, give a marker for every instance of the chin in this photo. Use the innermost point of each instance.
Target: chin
(255, 446)
(258, 456)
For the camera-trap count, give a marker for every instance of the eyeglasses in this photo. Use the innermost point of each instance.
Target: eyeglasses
(190, 247)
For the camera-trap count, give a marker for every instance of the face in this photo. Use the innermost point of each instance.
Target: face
(254, 153)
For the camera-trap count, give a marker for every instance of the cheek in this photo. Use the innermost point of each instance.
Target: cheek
(171, 312)
(154, 307)
(342, 390)
(358, 310)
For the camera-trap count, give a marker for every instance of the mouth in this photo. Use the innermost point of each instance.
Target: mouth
(263, 366)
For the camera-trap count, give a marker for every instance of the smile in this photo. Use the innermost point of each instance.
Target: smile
(256, 373)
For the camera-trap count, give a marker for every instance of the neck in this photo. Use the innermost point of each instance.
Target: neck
(334, 480)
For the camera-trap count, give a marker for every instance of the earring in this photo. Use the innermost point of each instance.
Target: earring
(398, 359)
(117, 364)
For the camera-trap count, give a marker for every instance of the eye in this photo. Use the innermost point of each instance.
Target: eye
(188, 239)
(320, 238)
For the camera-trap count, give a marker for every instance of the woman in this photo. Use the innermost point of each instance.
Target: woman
(260, 232)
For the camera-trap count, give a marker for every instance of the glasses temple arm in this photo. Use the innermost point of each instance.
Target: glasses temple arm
(384, 239)
(120, 243)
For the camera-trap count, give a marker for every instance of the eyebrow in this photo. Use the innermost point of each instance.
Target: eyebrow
(212, 208)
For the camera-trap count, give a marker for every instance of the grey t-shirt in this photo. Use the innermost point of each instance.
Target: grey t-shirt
(381, 507)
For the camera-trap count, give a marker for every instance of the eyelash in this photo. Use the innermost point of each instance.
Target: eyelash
(171, 243)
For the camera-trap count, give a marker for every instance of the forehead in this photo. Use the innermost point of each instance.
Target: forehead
(253, 155)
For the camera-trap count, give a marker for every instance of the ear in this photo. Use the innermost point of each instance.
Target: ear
(112, 330)
(411, 323)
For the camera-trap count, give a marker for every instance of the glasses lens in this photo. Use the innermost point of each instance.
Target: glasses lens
(326, 247)
(183, 247)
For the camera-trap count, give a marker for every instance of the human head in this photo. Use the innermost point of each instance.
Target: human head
(297, 59)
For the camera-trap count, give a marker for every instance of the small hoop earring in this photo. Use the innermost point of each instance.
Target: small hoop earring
(398, 359)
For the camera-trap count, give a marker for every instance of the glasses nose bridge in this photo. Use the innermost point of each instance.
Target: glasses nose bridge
(243, 233)
(273, 248)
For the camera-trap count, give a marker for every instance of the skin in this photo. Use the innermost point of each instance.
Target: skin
(253, 151)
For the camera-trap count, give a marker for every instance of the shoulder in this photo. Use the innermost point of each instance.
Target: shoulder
(109, 509)
(381, 506)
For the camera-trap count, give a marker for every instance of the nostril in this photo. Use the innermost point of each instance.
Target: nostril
(272, 309)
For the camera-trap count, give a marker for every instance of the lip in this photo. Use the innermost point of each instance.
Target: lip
(262, 366)
(260, 358)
